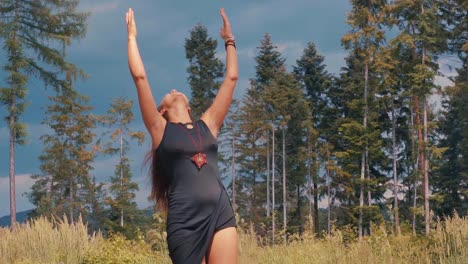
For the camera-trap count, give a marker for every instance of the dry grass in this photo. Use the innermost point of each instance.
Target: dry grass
(448, 243)
(42, 241)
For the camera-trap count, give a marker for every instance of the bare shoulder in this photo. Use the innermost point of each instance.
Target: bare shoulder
(156, 131)
(211, 124)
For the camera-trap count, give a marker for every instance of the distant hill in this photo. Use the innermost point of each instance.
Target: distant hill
(21, 217)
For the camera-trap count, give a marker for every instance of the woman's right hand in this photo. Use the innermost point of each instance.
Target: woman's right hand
(225, 32)
(131, 25)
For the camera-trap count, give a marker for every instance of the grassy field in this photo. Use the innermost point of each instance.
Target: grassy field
(43, 241)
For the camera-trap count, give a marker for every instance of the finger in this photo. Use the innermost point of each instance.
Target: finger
(130, 15)
(126, 17)
(224, 16)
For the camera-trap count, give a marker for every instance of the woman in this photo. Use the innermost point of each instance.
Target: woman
(201, 226)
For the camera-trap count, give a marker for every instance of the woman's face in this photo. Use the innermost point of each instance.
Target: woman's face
(173, 98)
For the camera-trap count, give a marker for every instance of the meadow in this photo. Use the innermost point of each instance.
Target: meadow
(45, 241)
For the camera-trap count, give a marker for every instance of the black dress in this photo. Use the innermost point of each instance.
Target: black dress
(198, 203)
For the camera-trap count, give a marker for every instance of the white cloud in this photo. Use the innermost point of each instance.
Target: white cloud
(23, 184)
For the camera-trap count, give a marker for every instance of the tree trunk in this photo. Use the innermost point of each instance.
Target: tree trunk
(121, 171)
(415, 156)
(364, 153)
(268, 176)
(395, 175)
(426, 176)
(422, 157)
(70, 198)
(328, 194)
(298, 208)
(273, 186)
(12, 123)
(424, 160)
(309, 180)
(316, 194)
(284, 185)
(253, 198)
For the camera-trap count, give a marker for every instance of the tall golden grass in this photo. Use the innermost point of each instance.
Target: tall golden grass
(44, 241)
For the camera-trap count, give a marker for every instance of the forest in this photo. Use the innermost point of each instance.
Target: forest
(379, 148)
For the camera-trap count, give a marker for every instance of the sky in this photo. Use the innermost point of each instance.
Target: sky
(163, 27)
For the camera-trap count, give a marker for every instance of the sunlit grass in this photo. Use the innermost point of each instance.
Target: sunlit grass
(448, 243)
(42, 241)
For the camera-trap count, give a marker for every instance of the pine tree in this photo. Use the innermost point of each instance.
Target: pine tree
(255, 125)
(65, 186)
(450, 180)
(365, 38)
(394, 100)
(315, 81)
(250, 147)
(351, 141)
(422, 31)
(289, 110)
(228, 143)
(123, 208)
(34, 34)
(204, 69)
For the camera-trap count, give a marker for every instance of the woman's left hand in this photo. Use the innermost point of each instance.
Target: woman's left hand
(226, 29)
(131, 25)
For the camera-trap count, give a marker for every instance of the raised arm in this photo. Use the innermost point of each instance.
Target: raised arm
(215, 114)
(153, 120)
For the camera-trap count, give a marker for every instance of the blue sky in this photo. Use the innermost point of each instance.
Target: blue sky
(162, 29)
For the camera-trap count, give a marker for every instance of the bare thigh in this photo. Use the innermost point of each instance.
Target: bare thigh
(223, 248)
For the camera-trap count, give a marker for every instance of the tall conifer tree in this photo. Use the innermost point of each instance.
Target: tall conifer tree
(255, 121)
(365, 38)
(451, 179)
(123, 208)
(315, 81)
(33, 35)
(423, 32)
(65, 186)
(205, 69)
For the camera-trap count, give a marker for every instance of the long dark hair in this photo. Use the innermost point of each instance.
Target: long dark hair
(159, 181)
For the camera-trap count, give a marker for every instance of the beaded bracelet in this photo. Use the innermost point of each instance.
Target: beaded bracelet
(230, 43)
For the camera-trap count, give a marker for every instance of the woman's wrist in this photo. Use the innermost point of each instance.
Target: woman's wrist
(229, 41)
(230, 38)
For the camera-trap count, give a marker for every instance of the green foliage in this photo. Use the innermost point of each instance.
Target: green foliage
(123, 213)
(269, 62)
(65, 186)
(451, 179)
(204, 69)
(256, 114)
(35, 35)
(156, 237)
(45, 28)
(117, 249)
